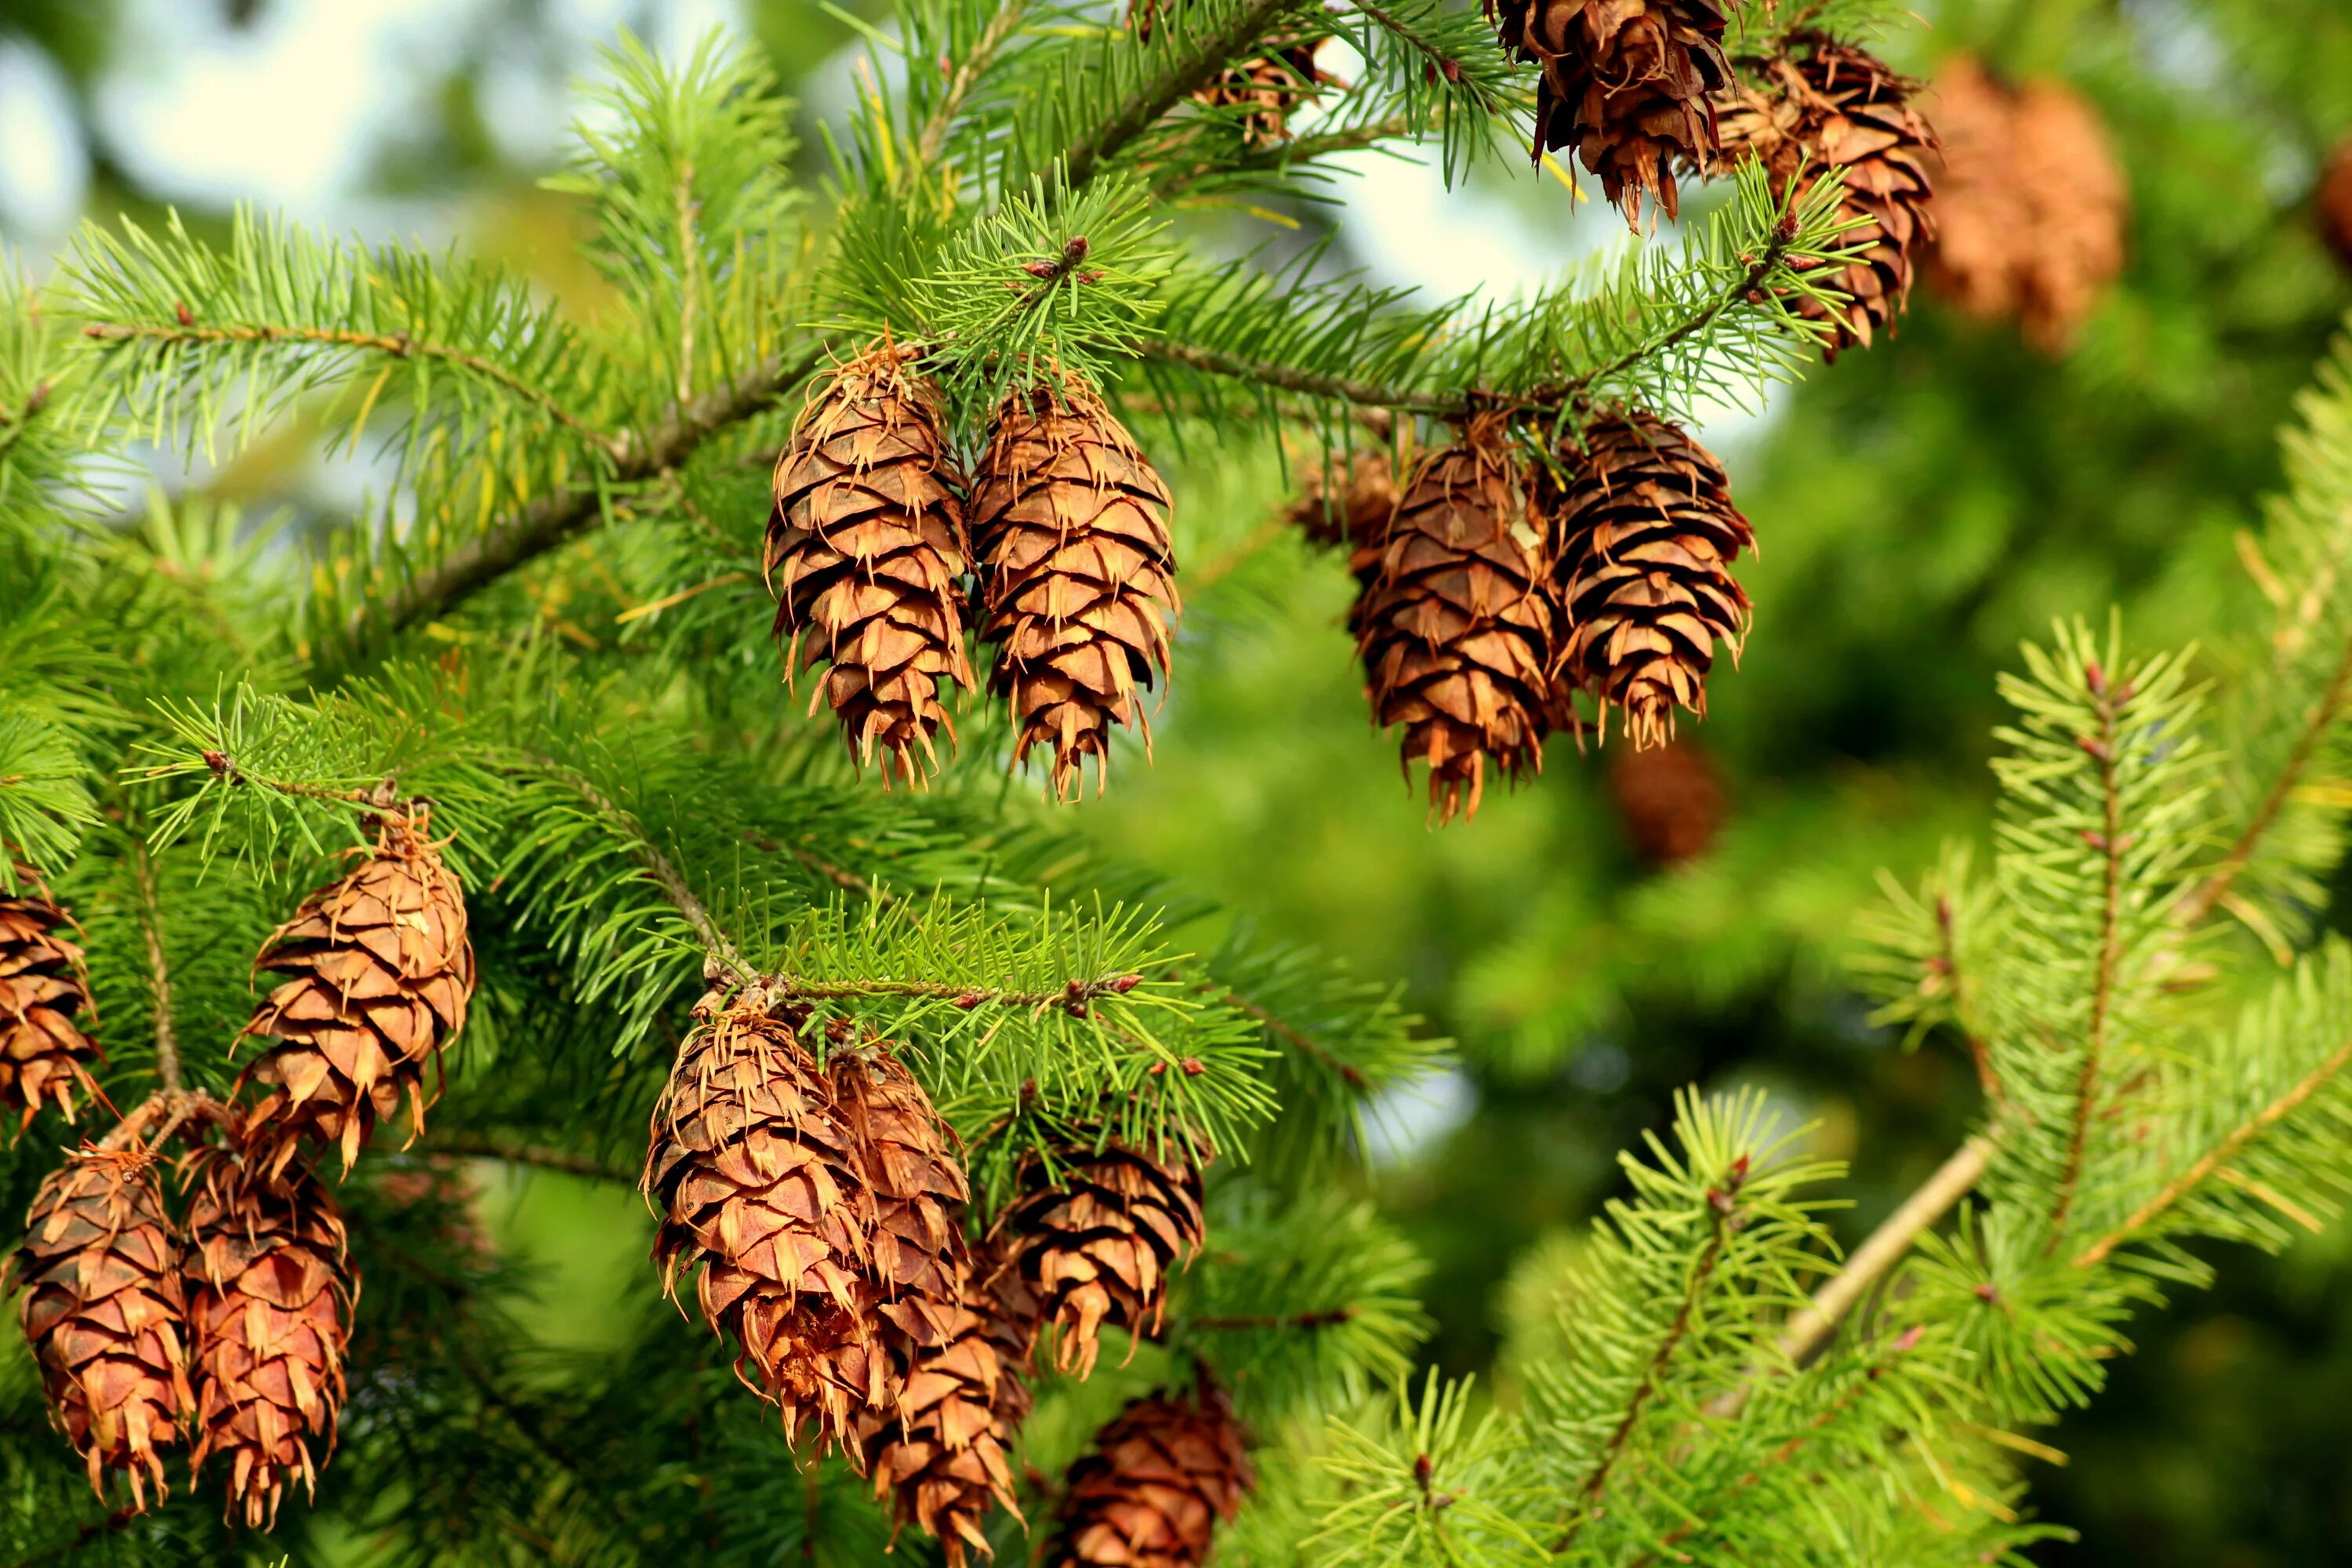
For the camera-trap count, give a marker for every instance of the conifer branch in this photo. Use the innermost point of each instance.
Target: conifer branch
(1722, 1204)
(2111, 846)
(1072, 997)
(1197, 57)
(1810, 1326)
(984, 50)
(538, 1156)
(397, 346)
(2315, 724)
(1314, 383)
(2215, 1161)
(555, 519)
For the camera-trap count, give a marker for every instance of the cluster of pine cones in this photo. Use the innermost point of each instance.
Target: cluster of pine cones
(826, 1209)
(225, 1328)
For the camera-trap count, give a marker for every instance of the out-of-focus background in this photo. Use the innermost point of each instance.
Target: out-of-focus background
(1609, 932)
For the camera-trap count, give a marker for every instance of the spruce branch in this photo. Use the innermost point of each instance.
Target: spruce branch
(538, 1156)
(393, 345)
(556, 518)
(2110, 845)
(1187, 64)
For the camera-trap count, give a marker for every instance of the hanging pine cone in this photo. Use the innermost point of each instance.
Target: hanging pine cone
(44, 992)
(2030, 204)
(271, 1291)
(1669, 799)
(1359, 515)
(939, 1458)
(1627, 86)
(1162, 1476)
(1093, 1240)
(1077, 578)
(917, 1192)
(866, 553)
(753, 1178)
(1647, 535)
(380, 972)
(1453, 622)
(1840, 109)
(102, 1306)
(1266, 88)
(2333, 202)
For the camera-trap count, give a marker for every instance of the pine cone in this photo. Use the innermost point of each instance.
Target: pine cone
(43, 986)
(270, 1292)
(1094, 1250)
(866, 553)
(1451, 621)
(1840, 108)
(1077, 578)
(752, 1176)
(1163, 1475)
(1669, 799)
(1627, 85)
(381, 972)
(103, 1309)
(1647, 535)
(941, 1457)
(1362, 513)
(919, 1253)
(2333, 202)
(2030, 204)
(1267, 87)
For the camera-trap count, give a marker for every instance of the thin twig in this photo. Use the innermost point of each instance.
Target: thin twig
(1196, 60)
(2103, 985)
(967, 77)
(1331, 1317)
(538, 1156)
(1304, 1044)
(2216, 1159)
(1074, 995)
(399, 345)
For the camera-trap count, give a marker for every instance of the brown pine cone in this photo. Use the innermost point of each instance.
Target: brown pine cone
(1092, 1242)
(941, 1458)
(2031, 204)
(917, 1192)
(103, 1308)
(43, 997)
(1835, 108)
(866, 555)
(1453, 622)
(380, 972)
(1078, 577)
(1163, 1475)
(270, 1292)
(2333, 202)
(754, 1179)
(1267, 87)
(1361, 512)
(1627, 86)
(1647, 535)
(1669, 799)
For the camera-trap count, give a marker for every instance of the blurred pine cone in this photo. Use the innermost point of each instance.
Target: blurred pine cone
(1162, 1476)
(2334, 202)
(1669, 800)
(2031, 204)
(1359, 515)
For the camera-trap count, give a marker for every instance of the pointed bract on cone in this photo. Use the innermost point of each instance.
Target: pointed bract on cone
(918, 1195)
(1095, 1249)
(102, 1305)
(44, 1002)
(1078, 577)
(866, 555)
(754, 1181)
(1359, 514)
(1454, 621)
(941, 1458)
(270, 1292)
(1159, 1479)
(379, 972)
(1627, 86)
(2332, 203)
(1647, 535)
(2030, 204)
(1837, 109)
